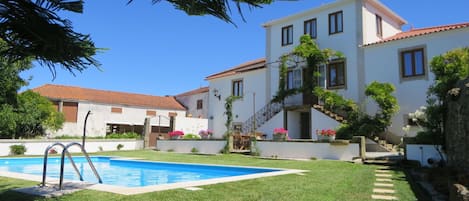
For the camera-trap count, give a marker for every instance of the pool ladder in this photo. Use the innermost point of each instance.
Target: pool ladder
(65, 151)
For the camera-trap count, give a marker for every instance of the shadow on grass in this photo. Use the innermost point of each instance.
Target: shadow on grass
(7, 194)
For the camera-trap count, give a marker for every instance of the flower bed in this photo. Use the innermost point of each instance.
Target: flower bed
(280, 134)
(175, 134)
(327, 135)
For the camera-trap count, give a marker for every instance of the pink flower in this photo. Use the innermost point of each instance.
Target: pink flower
(280, 131)
(326, 132)
(176, 133)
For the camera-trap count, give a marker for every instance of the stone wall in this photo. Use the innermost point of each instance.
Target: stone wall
(457, 126)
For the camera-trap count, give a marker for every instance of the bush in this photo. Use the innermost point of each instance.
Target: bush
(120, 146)
(191, 136)
(128, 135)
(18, 149)
(194, 150)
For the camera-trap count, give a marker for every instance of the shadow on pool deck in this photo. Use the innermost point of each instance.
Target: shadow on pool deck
(53, 190)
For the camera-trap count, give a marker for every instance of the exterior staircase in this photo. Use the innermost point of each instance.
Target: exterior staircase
(261, 117)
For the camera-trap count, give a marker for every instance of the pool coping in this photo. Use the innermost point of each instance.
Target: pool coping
(160, 187)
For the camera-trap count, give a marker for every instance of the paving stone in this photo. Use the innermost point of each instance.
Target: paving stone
(383, 180)
(383, 175)
(383, 197)
(382, 190)
(193, 188)
(384, 185)
(383, 171)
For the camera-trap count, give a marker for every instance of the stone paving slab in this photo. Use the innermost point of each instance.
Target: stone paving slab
(384, 185)
(383, 171)
(383, 175)
(382, 190)
(383, 197)
(50, 191)
(383, 180)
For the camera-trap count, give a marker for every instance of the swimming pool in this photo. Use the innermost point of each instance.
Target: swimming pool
(118, 173)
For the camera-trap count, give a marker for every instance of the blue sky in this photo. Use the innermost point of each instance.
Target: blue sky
(158, 50)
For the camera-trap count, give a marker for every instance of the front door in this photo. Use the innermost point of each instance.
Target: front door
(305, 125)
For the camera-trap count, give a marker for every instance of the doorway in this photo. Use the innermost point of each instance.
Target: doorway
(305, 124)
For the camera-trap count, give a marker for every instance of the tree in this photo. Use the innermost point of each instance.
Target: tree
(33, 28)
(37, 114)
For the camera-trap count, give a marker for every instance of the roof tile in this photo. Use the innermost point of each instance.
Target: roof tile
(248, 66)
(110, 97)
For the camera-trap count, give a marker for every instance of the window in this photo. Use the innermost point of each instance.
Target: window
(116, 110)
(70, 111)
(310, 27)
(200, 104)
(336, 75)
(237, 89)
(379, 26)
(287, 35)
(294, 79)
(336, 22)
(412, 63)
(151, 113)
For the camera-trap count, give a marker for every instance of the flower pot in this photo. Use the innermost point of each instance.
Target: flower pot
(326, 138)
(174, 137)
(206, 137)
(280, 137)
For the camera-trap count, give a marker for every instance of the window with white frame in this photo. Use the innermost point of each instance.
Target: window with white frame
(237, 88)
(294, 78)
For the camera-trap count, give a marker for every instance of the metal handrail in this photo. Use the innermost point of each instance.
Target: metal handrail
(46, 154)
(62, 162)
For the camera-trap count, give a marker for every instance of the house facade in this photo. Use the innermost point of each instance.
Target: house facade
(112, 112)
(375, 48)
(195, 102)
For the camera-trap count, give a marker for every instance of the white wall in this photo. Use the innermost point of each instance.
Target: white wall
(253, 82)
(389, 26)
(382, 64)
(307, 150)
(185, 146)
(321, 121)
(422, 153)
(191, 125)
(190, 101)
(101, 115)
(37, 147)
(268, 127)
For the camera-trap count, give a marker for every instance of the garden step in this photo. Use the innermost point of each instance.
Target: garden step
(383, 197)
(383, 175)
(382, 190)
(383, 180)
(384, 185)
(382, 171)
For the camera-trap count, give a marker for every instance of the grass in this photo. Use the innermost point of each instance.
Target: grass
(326, 180)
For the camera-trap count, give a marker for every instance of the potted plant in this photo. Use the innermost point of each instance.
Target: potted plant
(326, 135)
(280, 134)
(175, 134)
(206, 134)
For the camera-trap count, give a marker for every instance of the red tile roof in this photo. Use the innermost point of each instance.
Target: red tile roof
(195, 91)
(421, 32)
(245, 67)
(110, 97)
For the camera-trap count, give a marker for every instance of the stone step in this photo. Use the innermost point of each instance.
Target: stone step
(383, 197)
(383, 180)
(382, 171)
(384, 175)
(383, 190)
(384, 185)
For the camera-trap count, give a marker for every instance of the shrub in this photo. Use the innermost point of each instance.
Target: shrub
(127, 135)
(18, 149)
(194, 150)
(191, 136)
(120, 146)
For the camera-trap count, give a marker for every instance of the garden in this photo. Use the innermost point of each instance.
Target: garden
(325, 180)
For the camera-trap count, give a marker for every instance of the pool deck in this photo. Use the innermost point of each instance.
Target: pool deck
(51, 190)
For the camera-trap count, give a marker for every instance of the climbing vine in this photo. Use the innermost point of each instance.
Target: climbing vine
(310, 52)
(229, 119)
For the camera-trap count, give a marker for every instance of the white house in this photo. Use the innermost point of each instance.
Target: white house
(374, 46)
(195, 101)
(112, 112)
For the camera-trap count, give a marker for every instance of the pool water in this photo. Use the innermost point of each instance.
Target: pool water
(127, 173)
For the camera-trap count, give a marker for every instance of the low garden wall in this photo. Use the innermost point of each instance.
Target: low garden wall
(188, 146)
(422, 153)
(270, 149)
(37, 147)
(309, 150)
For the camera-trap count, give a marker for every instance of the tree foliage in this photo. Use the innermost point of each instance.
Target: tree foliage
(33, 29)
(448, 69)
(218, 8)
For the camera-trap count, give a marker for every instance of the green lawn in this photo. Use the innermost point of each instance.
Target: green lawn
(326, 180)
